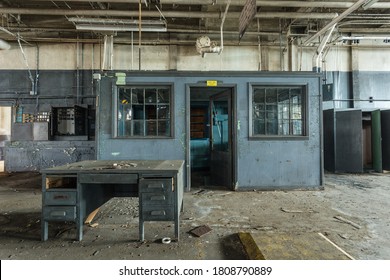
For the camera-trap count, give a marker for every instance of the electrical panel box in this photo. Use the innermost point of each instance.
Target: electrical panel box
(69, 122)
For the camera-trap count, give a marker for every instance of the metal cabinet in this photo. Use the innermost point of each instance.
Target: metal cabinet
(59, 200)
(156, 201)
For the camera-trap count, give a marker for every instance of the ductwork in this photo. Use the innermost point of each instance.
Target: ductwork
(4, 45)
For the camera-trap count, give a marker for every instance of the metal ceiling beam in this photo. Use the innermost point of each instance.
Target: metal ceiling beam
(291, 4)
(156, 14)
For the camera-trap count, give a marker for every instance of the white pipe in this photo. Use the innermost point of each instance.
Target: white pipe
(335, 21)
(222, 23)
(4, 45)
(350, 38)
(319, 52)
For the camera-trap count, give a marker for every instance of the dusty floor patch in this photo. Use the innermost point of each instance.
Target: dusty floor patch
(362, 199)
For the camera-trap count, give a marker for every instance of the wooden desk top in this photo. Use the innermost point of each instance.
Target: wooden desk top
(117, 166)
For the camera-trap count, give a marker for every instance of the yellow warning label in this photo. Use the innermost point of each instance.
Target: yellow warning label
(212, 83)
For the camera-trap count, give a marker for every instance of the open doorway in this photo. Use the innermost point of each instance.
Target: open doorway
(5, 132)
(212, 137)
(372, 141)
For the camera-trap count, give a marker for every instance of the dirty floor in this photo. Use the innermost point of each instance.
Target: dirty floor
(362, 201)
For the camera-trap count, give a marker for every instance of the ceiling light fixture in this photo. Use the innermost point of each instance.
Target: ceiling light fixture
(121, 25)
(368, 4)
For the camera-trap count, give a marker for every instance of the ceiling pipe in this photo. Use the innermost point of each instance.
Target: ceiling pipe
(190, 30)
(364, 30)
(290, 4)
(170, 14)
(336, 20)
(317, 59)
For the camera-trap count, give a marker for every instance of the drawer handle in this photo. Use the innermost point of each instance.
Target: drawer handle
(158, 213)
(61, 197)
(158, 198)
(156, 186)
(58, 213)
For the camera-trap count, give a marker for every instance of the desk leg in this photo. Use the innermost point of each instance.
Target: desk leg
(45, 230)
(141, 230)
(79, 230)
(177, 225)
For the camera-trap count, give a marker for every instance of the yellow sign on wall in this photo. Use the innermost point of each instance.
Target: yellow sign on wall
(212, 83)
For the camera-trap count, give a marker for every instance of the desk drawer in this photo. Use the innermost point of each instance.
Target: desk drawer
(155, 185)
(157, 213)
(162, 198)
(108, 178)
(54, 213)
(60, 197)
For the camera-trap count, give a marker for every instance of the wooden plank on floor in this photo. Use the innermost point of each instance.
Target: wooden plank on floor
(90, 217)
(289, 246)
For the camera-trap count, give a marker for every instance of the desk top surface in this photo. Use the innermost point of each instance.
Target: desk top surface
(118, 166)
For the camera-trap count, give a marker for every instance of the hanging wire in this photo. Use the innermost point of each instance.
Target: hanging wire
(28, 68)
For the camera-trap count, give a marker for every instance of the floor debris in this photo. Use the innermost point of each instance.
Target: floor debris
(337, 247)
(200, 231)
(344, 220)
(297, 211)
(94, 225)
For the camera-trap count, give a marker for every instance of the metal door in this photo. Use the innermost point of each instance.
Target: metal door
(221, 140)
(385, 131)
(376, 141)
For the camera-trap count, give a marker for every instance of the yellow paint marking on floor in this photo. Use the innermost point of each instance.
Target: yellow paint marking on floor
(289, 246)
(250, 246)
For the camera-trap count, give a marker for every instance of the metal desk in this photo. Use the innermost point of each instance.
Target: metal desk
(71, 192)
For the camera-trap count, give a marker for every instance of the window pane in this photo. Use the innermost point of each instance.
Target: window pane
(138, 128)
(259, 96)
(163, 96)
(151, 128)
(297, 127)
(150, 112)
(164, 128)
(272, 127)
(258, 127)
(271, 96)
(137, 96)
(139, 110)
(278, 110)
(150, 95)
(163, 112)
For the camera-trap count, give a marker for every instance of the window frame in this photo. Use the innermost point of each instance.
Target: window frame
(305, 112)
(115, 107)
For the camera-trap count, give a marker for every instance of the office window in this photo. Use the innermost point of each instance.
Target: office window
(144, 111)
(278, 111)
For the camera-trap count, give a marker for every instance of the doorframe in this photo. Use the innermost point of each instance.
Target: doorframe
(233, 88)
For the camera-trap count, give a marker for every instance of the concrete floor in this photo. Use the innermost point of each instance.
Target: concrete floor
(363, 200)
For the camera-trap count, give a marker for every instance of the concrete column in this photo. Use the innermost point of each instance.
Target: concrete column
(356, 94)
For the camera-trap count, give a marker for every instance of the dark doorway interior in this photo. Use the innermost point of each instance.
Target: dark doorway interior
(211, 138)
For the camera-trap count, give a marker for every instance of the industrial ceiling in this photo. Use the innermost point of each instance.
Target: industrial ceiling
(181, 22)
